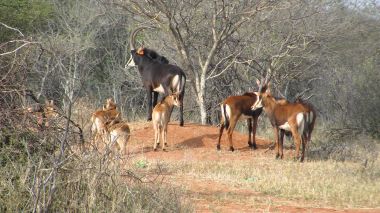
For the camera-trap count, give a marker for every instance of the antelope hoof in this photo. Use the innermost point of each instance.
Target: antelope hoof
(278, 156)
(155, 149)
(232, 149)
(252, 145)
(298, 158)
(181, 123)
(218, 147)
(148, 119)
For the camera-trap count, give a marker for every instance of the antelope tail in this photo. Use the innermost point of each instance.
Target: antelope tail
(306, 124)
(225, 117)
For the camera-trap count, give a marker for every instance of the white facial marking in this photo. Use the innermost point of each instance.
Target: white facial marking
(159, 89)
(257, 104)
(130, 63)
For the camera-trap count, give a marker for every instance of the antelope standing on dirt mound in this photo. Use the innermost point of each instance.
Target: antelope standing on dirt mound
(239, 107)
(100, 118)
(157, 75)
(298, 118)
(161, 117)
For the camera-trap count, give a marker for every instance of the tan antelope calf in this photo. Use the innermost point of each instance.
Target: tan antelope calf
(101, 118)
(119, 135)
(161, 117)
(298, 118)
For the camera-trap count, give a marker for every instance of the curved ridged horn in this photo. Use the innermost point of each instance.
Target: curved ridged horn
(132, 38)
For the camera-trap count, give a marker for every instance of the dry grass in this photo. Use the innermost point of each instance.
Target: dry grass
(343, 170)
(338, 173)
(328, 183)
(83, 182)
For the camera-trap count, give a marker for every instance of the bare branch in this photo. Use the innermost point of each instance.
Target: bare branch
(25, 43)
(12, 28)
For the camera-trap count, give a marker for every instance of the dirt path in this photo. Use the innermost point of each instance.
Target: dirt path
(197, 143)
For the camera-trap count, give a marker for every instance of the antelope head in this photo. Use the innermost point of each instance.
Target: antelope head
(263, 93)
(132, 45)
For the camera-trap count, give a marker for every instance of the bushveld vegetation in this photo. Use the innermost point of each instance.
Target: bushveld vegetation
(74, 52)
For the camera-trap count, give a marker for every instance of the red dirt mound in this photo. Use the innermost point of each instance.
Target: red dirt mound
(193, 140)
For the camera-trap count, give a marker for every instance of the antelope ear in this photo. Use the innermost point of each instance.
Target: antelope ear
(268, 89)
(140, 51)
(257, 82)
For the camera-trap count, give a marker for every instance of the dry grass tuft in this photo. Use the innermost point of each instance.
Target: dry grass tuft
(324, 183)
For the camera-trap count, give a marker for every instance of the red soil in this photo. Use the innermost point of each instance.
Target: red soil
(195, 142)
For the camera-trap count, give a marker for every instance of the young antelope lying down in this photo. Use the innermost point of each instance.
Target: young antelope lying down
(161, 117)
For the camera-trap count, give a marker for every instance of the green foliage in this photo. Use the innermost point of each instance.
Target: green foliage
(142, 164)
(25, 15)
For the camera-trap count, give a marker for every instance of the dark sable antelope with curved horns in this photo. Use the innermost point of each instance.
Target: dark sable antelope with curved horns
(297, 118)
(157, 75)
(239, 107)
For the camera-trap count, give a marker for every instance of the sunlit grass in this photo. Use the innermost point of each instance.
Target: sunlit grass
(328, 183)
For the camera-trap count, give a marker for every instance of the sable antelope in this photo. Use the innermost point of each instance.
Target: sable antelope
(108, 115)
(118, 134)
(161, 117)
(239, 107)
(298, 118)
(157, 75)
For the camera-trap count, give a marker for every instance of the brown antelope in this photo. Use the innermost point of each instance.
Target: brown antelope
(100, 118)
(298, 118)
(239, 107)
(118, 134)
(161, 117)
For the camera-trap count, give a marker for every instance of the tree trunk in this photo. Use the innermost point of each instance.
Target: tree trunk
(201, 92)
